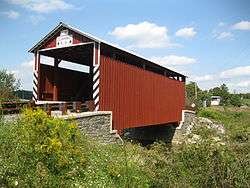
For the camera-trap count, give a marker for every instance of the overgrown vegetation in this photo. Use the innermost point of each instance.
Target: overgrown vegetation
(39, 151)
(236, 120)
(246, 101)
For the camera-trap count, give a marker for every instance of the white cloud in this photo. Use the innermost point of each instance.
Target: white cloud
(12, 14)
(15, 72)
(143, 35)
(236, 72)
(225, 35)
(173, 60)
(243, 84)
(28, 64)
(187, 32)
(24, 71)
(240, 86)
(43, 6)
(221, 24)
(207, 77)
(237, 78)
(24, 74)
(44, 60)
(243, 25)
(36, 19)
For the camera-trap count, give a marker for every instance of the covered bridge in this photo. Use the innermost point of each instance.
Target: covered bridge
(136, 90)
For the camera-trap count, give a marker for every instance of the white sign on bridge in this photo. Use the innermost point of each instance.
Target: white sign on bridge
(64, 39)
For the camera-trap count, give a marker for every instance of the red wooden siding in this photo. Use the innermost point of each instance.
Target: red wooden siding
(70, 84)
(51, 43)
(138, 97)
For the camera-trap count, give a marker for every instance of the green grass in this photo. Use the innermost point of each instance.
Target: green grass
(246, 102)
(235, 119)
(39, 151)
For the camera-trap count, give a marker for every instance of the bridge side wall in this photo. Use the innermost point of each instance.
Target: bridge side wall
(138, 97)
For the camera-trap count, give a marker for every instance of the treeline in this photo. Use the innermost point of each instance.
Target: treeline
(244, 95)
(10, 88)
(196, 95)
(23, 94)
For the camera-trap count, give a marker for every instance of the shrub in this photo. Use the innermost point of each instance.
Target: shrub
(210, 113)
(235, 100)
(40, 151)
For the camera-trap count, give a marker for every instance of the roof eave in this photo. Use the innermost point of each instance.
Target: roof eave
(51, 33)
(61, 24)
(33, 49)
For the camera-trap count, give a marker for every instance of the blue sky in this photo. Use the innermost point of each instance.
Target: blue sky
(209, 41)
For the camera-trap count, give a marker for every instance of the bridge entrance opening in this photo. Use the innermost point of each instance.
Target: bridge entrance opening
(71, 82)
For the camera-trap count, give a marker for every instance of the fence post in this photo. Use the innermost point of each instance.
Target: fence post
(78, 106)
(63, 108)
(90, 105)
(49, 109)
(45, 107)
(31, 104)
(74, 106)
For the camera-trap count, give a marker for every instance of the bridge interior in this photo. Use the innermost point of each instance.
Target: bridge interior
(66, 84)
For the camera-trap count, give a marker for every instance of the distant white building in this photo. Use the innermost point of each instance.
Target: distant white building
(215, 100)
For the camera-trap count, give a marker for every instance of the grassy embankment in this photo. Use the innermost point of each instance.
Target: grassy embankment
(246, 102)
(38, 151)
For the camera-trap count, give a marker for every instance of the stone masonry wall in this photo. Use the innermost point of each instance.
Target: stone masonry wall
(184, 133)
(96, 125)
(184, 128)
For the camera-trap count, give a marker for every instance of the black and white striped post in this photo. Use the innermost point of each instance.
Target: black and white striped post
(96, 75)
(35, 77)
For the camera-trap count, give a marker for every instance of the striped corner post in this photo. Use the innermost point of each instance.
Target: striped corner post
(35, 78)
(96, 75)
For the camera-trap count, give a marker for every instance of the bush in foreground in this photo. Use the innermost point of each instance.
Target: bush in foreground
(40, 151)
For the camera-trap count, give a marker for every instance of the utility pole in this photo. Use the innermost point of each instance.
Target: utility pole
(195, 90)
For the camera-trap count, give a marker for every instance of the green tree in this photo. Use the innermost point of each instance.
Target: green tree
(8, 85)
(235, 100)
(223, 92)
(245, 95)
(190, 93)
(227, 98)
(195, 95)
(190, 90)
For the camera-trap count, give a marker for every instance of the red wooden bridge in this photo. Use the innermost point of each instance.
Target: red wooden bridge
(138, 91)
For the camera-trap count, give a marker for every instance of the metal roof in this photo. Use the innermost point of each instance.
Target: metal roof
(92, 37)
